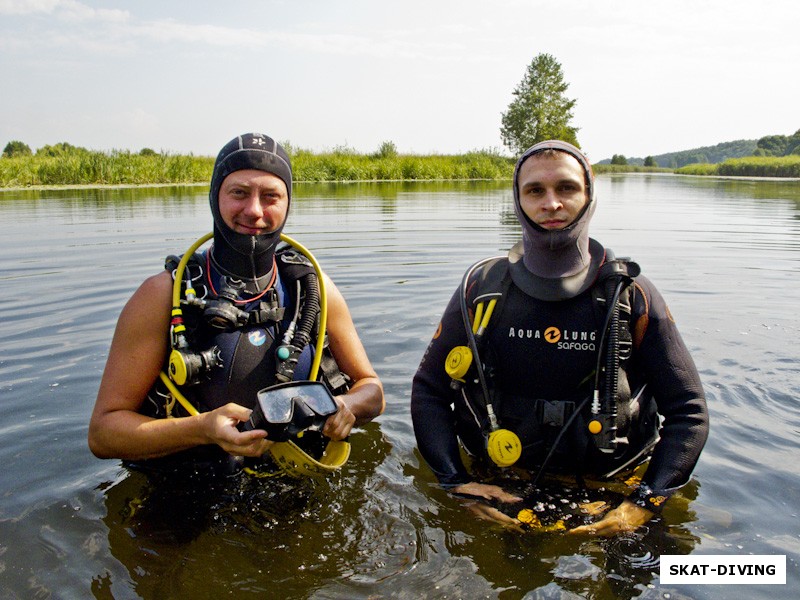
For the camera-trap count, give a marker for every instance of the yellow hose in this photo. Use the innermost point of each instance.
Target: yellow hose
(176, 284)
(487, 316)
(173, 389)
(477, 320)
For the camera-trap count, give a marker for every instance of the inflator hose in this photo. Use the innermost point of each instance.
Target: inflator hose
(302, 335)
(612, 359)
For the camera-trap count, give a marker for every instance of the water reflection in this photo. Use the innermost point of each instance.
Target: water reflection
(548, 563)
(723, 252)
(257, 533)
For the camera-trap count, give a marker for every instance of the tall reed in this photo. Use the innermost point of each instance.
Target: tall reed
(125, 168)
(762, 166)
(99, 168)
(749, 166)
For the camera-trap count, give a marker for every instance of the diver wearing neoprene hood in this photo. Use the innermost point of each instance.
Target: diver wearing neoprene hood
(247, 257)
(560, 358)
(247, 323)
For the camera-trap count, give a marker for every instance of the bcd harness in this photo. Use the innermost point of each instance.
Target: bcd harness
(604, 411)
(204, 313)
(188, 365)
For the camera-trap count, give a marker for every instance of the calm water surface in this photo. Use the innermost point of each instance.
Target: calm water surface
(725, 253)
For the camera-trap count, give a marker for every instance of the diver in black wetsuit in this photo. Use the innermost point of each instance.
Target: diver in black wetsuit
(237, 336)
(560, 359)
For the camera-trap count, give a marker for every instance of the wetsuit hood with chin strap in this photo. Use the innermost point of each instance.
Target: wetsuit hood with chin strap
(249, 258)
(560, 263)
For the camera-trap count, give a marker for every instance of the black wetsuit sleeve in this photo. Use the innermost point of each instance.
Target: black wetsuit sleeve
(432, 401)
(675, 384)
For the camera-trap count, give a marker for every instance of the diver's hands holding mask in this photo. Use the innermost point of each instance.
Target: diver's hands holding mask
(289, 409)
(221, 427)
(626, 517)
(338, 425)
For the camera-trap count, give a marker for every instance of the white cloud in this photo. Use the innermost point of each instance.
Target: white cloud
(69, 10)
(647, 76)
(27, 7)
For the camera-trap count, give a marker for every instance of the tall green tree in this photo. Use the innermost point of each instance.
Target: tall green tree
(540, 109)
(60, 149)
(16, 148)
(773, 145)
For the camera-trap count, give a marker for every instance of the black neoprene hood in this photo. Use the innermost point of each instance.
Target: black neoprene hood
(562, 252)
(247, 256)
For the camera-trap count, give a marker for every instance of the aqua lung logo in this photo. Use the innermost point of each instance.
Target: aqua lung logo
(563, 339)
(257, 337)
(552, 335)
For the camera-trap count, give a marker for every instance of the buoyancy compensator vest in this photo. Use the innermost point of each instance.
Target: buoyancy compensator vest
(232, 347)
(228, 346)
(608, 421)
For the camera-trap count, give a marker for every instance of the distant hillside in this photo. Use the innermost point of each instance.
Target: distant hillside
(708, 154)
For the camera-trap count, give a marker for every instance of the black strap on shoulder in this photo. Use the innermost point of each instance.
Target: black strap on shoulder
(292, 265)
(195, 272)
(489, 280)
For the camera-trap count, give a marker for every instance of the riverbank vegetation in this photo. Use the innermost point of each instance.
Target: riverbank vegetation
(769, 156)
(78, 166)
(751, 166)
(100, 168)
(606, 168)
(66, 165)
(344, 164)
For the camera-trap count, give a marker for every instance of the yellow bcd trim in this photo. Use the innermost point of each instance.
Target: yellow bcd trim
(297, 463)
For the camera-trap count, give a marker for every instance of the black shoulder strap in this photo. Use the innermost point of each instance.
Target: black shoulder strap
(488, 280)
(292, 265)
(195, 270)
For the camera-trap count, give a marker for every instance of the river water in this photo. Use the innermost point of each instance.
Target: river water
(725, 253)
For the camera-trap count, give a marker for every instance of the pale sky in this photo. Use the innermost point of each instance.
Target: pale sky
(649, 76)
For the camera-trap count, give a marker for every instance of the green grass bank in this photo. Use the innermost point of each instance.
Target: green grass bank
(748, 166)
(126, 168)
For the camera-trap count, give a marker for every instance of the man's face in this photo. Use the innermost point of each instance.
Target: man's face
(253, 202)
(552, 189)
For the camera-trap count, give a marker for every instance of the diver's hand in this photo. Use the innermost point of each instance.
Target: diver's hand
(483, 510)
(490, 513)
(626, 517)
(339, 424)
(220, 428)
(485, 490)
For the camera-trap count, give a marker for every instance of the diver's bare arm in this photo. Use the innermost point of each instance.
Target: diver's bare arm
(138, 350)
(365, 398)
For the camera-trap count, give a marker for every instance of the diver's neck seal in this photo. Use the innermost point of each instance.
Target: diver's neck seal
(553, 289)
(255, 271)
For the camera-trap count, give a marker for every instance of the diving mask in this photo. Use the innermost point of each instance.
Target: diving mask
(288, 409)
